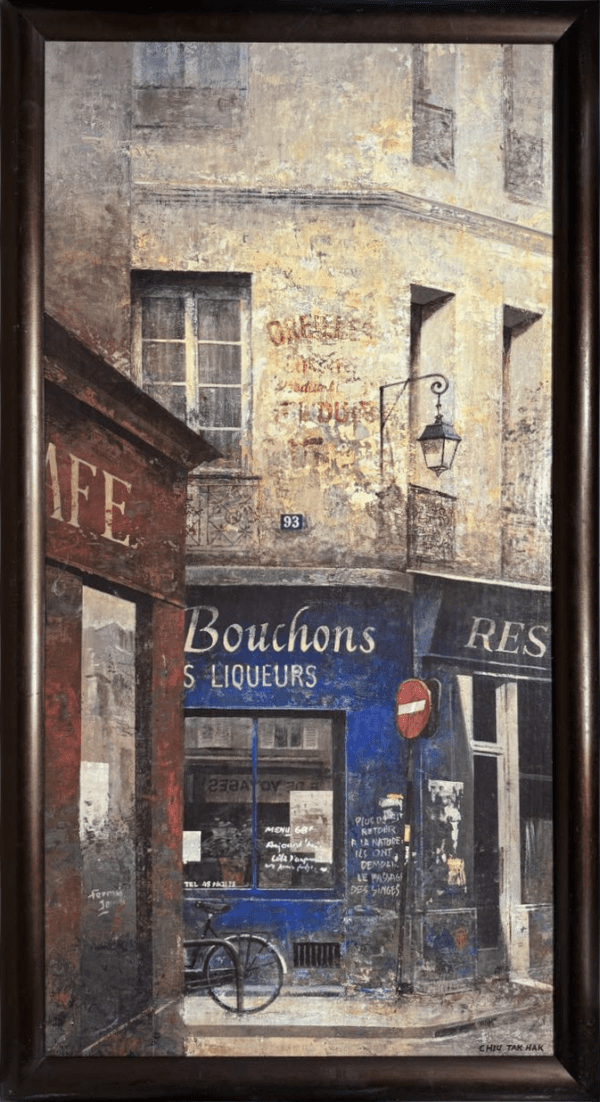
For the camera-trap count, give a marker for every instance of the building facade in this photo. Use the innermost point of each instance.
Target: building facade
(278, 242)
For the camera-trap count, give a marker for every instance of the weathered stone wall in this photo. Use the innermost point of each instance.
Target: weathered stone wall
(313, 174)
(331, 295)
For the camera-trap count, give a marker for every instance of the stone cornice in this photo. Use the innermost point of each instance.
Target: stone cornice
(410, 206)
(201, 575)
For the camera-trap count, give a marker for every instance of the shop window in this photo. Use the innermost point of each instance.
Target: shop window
(108, 717)
(486, 849)
(190, 345)
(114, 914)
(262, 800)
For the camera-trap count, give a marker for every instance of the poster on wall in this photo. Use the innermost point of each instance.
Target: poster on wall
(298, 339)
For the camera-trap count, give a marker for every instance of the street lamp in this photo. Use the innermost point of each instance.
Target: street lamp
(439, 440)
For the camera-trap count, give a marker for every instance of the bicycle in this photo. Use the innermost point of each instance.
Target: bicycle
(243, 973)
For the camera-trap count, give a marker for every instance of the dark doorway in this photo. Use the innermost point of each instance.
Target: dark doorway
(486, 864)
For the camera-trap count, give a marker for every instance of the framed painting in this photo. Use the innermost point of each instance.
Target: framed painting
(300, 483)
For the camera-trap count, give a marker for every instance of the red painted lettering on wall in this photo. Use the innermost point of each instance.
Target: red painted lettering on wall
(318, 327)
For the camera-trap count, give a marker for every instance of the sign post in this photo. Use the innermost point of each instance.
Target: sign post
(413, 712)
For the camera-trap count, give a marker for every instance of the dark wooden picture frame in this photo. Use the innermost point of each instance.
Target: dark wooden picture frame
(572, 1073)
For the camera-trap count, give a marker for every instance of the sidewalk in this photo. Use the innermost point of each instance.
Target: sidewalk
(497, 1014)
(496, 1018)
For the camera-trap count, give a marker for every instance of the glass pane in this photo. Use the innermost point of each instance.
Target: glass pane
(295, 803)
(215, 64)
(163, 362)
(536, 840)
(218, 801)
(171, 397)
(107, 823)
(484, 709)
(227, 442)
(219, 319)
(220, 407)
(219, 363)
(535, 728)
(158, 64)
(163, 319)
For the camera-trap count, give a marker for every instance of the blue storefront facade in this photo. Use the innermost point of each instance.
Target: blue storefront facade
(371, 861)
(295, 773)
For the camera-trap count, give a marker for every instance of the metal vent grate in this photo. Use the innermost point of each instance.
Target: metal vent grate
(316, 954)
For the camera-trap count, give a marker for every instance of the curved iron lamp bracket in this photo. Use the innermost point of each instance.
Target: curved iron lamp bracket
(438, 387)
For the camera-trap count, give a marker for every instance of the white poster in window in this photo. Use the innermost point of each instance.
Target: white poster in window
(311, 824)
(192, 846)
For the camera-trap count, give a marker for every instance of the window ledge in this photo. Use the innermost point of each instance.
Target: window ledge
(230, 475)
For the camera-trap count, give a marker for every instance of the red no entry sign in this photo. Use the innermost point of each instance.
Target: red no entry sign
(413, 708)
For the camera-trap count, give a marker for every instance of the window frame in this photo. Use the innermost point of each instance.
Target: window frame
(338, 776)
(192, 288)
(188, 58)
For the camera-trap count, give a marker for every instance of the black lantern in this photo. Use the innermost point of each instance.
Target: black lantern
(439, 441)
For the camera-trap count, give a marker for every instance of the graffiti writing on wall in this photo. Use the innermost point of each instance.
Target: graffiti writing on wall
(377, 846)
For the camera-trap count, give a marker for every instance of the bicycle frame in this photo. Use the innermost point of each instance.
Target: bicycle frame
(205, 942)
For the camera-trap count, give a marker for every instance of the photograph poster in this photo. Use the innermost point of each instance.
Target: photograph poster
(297, 352)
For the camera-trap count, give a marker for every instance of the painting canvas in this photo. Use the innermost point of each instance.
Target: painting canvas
(298, 318)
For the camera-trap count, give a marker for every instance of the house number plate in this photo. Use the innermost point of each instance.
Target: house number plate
(292, 522)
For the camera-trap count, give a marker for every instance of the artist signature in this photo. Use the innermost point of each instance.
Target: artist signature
(510, 1049)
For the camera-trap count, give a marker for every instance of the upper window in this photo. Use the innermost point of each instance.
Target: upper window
(434, 93)
(190, 348)
(179, 86)
(218, 65)
(524, 95)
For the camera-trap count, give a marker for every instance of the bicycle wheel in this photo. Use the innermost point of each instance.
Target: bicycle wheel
(261, 969)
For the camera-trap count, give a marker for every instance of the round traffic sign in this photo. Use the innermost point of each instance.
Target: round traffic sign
(413, 708)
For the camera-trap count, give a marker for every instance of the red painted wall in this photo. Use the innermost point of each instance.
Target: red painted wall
(113, 507)
(167, 794)
(63, 853)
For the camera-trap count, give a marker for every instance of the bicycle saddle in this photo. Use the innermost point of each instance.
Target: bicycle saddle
(213, 906)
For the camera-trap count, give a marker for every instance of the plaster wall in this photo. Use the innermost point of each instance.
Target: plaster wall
(331, 292)
(320, 115)
(305, 178)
